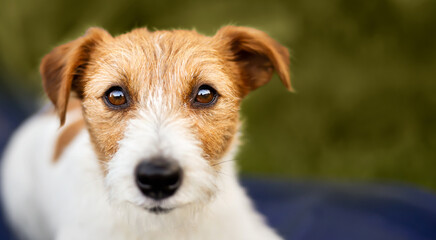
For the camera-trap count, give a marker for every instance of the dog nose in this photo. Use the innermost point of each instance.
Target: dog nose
(158, 178)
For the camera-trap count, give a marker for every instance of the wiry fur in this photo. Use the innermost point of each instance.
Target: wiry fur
(78, 183)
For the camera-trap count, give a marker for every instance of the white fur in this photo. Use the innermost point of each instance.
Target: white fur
(72, 198)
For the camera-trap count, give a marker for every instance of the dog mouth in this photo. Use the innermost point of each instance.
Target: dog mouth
(159, 210)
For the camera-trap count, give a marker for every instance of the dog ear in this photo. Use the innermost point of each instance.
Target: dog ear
(256, 55)
(63, 67)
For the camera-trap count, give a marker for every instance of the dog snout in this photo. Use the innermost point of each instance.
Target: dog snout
(158, 178)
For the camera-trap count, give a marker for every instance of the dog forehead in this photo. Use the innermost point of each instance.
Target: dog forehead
(164, 49)
(172, 59)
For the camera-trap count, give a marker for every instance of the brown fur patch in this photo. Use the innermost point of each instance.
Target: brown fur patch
(66, 136)
(256, 56)
(63, 67)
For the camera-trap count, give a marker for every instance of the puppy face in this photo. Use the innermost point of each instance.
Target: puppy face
(167, 95)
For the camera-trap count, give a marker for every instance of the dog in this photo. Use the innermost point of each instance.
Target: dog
(149, 130)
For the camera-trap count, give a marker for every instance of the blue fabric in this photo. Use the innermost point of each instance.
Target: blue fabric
(315, 210)
(11, 115)
(312, 211)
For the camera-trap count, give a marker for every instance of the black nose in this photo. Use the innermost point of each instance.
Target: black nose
(158, 178)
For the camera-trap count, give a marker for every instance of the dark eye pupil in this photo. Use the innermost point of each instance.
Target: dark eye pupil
(116, 97)
(205, 95)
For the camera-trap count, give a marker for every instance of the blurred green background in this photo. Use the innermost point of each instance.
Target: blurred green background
(364, 71)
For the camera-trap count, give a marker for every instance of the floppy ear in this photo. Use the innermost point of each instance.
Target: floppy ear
(256, 55)
(63, 67)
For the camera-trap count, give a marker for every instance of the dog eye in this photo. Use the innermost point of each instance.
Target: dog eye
(205, 96)
(115, 97)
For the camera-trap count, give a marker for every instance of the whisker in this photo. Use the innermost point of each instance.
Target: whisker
(218, 163)
(222, 173)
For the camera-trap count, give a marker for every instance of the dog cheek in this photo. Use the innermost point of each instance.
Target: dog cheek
(216, 134)
(106, 129)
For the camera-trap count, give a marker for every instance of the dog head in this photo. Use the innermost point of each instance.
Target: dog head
(162, 108)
